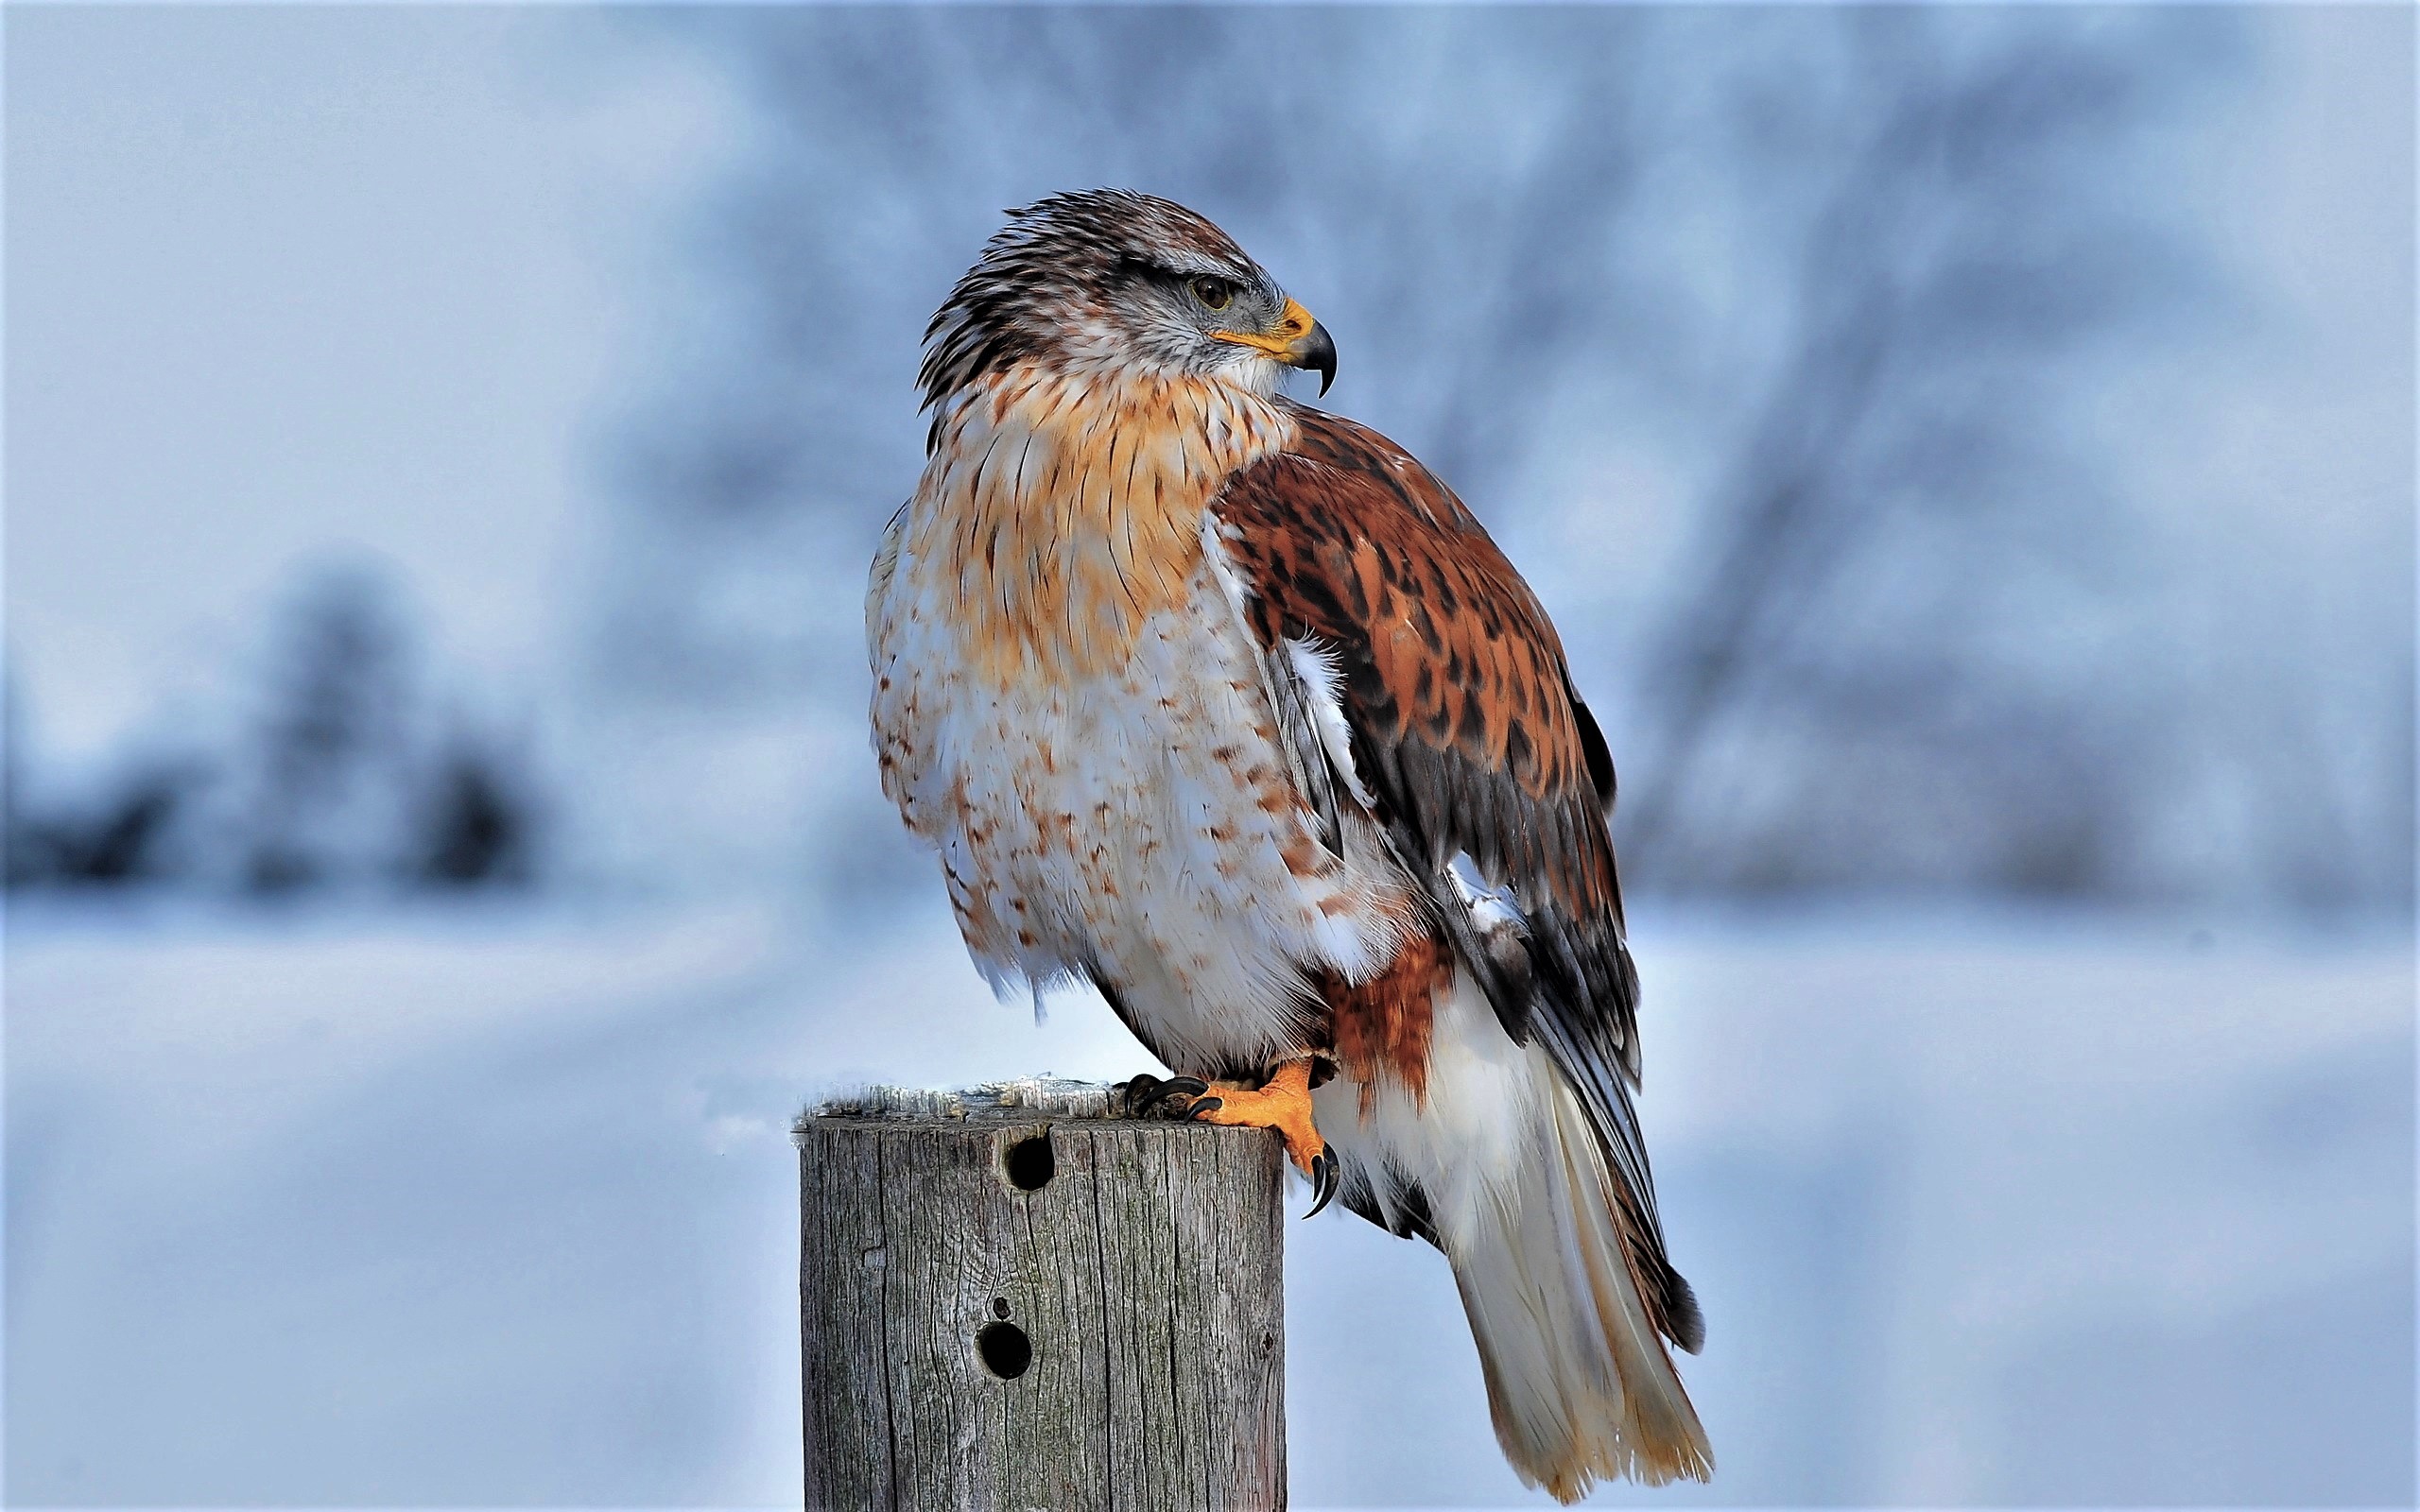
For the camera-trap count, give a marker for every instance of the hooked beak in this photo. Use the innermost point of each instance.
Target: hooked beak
(1315, 352)
(1298, 341)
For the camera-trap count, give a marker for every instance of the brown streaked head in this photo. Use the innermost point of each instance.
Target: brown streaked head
(1110, 280)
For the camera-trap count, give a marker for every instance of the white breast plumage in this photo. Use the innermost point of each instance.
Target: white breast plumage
(1110, 792)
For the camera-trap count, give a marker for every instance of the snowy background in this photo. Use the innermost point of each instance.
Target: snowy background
(1970, 452)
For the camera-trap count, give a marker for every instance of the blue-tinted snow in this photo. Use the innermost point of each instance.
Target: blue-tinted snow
(461, 1210)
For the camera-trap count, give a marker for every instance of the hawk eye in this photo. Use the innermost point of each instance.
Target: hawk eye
(1214, 292)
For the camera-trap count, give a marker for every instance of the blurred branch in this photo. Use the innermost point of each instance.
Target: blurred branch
(1956, 267)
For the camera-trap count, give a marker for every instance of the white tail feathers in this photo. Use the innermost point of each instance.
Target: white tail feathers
(1495, 1159)
(1579, 1381)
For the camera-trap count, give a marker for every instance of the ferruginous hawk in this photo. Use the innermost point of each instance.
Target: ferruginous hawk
(1227, 706)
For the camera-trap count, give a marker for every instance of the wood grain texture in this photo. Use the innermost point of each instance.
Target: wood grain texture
(1145, 1275)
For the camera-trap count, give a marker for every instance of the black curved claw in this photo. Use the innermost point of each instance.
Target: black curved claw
(1145, 1093)
(1324, 1175)
(1199, 1106)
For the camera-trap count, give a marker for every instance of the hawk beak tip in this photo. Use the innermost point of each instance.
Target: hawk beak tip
(1316, 353)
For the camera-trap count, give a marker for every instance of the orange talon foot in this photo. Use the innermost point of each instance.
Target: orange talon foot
(1284, 1104)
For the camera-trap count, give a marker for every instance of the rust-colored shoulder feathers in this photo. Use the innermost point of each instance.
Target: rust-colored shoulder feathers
(1465, 730)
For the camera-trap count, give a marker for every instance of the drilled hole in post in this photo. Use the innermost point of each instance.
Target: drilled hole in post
(999, 1307)
(1031, 1164)
(1004, 1349)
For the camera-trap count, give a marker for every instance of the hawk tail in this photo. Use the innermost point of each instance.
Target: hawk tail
(1579, 1381)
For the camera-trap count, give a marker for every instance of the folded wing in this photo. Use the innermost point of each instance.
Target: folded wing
(1417, 668)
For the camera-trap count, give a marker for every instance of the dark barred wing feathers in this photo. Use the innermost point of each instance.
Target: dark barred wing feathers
(1481, 763)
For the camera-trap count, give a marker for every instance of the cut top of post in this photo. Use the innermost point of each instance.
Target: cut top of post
(1025, 1098)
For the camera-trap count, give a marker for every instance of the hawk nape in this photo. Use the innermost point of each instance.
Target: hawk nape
(1227, 706)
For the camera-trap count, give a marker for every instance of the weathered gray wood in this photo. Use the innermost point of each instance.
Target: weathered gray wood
(1145, 1275)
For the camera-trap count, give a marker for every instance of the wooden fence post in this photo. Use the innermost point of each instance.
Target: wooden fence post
(1013, 1300)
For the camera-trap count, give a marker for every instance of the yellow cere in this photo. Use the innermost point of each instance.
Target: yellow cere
(1293, 326)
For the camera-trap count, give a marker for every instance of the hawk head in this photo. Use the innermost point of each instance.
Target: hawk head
(1113, 281)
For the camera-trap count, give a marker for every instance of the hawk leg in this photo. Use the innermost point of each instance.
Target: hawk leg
(1284, 1104)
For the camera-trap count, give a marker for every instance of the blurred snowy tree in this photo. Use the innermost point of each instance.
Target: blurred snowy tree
(474, 821)
(331, 781)
(331, 761)
(122, 825)
(124, 838)
(21, 852)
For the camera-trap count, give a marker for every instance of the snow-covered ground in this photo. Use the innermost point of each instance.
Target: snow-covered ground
(499, 1209)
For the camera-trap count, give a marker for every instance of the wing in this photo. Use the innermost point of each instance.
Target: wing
(1448, 710)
